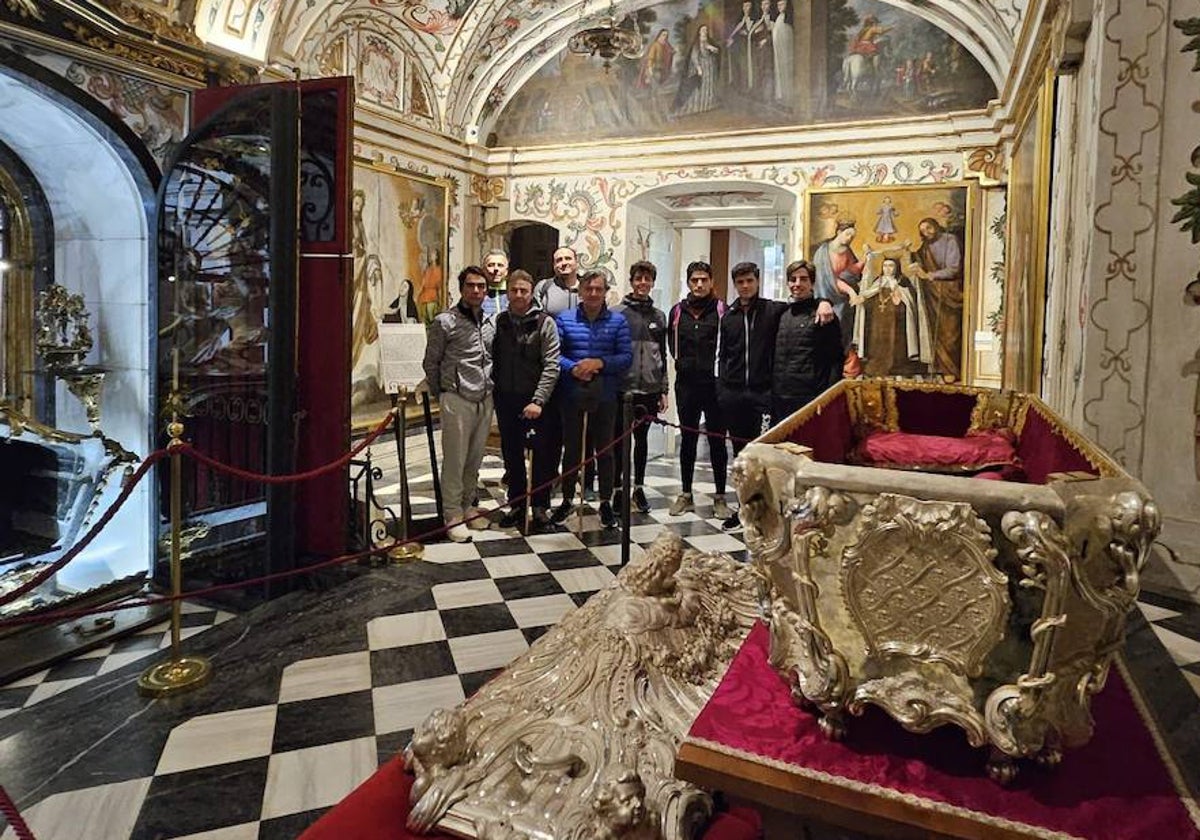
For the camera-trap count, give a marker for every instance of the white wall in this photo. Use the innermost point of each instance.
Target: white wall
(101, 251)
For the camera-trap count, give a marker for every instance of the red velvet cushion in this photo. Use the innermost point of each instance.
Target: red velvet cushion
(935, 453)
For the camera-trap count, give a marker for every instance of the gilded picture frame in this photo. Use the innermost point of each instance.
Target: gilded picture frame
(400, 224)
(914, 318)
(1026, 243)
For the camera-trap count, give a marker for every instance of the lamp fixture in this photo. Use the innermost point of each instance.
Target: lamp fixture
(607, 40)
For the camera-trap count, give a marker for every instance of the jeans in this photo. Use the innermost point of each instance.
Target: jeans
(600, 424)
(692, 401)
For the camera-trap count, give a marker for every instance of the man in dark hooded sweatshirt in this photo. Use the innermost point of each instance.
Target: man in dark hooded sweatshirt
(646, 380)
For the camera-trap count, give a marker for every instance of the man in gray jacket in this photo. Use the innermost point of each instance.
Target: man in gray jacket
(646, 380)
(458, 368)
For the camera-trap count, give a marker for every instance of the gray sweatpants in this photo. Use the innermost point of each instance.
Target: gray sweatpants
(465, 426)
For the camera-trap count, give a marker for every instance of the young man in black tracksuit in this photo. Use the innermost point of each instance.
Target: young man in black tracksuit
(808, 353)
(692, 328)
(525, 371)
(745, 358)
(646, 380)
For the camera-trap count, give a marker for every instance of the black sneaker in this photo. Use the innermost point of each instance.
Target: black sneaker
(541, 521)
(515, 518)
(561, 512)
(607, 518)
(638, 500)
(733, 524)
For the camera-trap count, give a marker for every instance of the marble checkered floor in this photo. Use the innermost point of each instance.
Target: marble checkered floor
(313, 691)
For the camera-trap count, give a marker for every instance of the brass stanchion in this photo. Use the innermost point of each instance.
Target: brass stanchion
(179, 673)
(405, 550)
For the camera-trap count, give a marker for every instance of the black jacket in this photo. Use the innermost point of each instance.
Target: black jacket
(746, 345)
(525, 355)
(808, 355)
(692, 329)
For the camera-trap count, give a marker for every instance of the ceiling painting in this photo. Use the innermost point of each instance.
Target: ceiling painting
(723, 64)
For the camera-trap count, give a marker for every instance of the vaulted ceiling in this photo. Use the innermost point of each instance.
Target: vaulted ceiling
(453, 64)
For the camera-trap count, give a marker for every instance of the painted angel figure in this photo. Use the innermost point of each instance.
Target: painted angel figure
(885, 221)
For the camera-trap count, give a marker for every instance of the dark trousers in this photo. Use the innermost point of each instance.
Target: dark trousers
(641, 435)
(515, 438)
(600, 423)
(743, 412)
(692, 402)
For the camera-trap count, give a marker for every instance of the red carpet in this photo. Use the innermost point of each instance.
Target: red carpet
(1115, 787)
(377, 809)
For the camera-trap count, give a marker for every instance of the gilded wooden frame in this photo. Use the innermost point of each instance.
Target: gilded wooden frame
(1027, 242)
(970, 244)
(396, 263)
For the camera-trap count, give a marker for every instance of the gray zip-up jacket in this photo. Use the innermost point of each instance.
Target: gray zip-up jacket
(555, 299)
(458, 353)
(648, 334)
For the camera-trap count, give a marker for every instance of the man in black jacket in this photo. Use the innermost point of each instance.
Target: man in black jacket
(692, 328)
(745, 359)
(525, 370)
(808, 353)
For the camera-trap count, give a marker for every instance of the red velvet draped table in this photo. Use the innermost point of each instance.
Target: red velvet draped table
(754, 744)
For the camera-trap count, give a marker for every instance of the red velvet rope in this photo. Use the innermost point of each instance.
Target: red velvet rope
(60, 615)
(705, 432)
(9, 809)
(71, 553)
(247, 475)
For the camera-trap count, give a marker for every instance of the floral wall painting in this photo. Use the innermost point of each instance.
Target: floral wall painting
(734, 64)
(400, 226)
(895, 263)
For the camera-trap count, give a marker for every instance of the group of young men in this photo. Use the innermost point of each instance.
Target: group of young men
(552, 361)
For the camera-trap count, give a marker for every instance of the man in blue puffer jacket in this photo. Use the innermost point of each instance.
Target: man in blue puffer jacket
(594, 353)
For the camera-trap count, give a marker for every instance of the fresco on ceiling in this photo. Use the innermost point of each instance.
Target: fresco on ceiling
(727, 64)
(434, 17)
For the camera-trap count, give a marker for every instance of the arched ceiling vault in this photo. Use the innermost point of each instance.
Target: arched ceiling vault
(478, 52)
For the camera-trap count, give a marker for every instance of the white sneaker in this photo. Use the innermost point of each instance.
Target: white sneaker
(459, 533)
(720, 507)
(481, 520)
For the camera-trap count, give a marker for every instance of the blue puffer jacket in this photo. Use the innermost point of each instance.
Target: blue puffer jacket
(606, 338)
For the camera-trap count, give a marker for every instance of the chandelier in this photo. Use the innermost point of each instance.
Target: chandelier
(607, 40)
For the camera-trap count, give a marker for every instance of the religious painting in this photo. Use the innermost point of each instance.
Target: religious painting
(710, 65)
(1026, 244)
(895, 263)
(400, 224)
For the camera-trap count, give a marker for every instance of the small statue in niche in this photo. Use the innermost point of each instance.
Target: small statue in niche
(63, 335)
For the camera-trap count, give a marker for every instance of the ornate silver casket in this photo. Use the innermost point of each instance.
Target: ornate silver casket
(897, 577)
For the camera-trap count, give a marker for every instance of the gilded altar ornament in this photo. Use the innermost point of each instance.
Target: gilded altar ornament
(577, 738)
(63, 340)
(993, 606)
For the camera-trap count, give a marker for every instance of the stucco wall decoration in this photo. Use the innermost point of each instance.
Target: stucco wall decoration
(389, 70)
(724, 64)
(1126, 224)
(242, 26)
(591, 212)
(154, 112)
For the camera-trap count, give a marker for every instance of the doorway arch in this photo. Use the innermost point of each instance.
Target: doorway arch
(530, 245)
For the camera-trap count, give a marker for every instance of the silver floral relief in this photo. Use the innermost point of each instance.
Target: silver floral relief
(577, 738)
